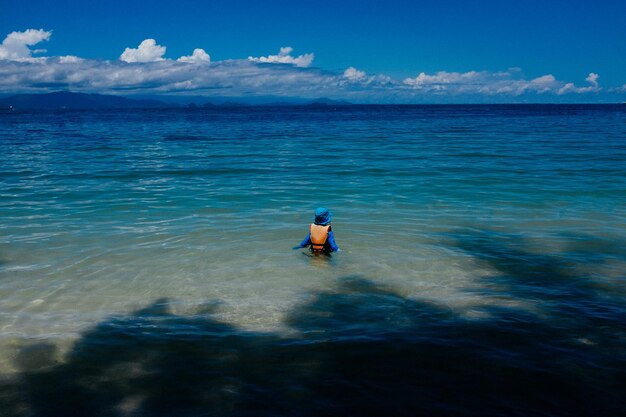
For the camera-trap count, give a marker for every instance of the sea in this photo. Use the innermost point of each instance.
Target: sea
(147, 269)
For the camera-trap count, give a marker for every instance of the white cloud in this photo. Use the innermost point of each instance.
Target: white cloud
(198, 56)
(508, 82)
(248, 78)
(147, 51)
(543, 84)
(568, 88)
(354, 74)
(151, 73)
(69, 59)
(284, 57)
(232, 78)
(440, 78)
(353, 80)
(16, 45)
(592, 79)
(483, 82)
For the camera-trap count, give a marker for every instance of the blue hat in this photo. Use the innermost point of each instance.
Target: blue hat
(322, 216)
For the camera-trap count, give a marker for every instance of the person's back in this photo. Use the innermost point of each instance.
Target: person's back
(320, 238)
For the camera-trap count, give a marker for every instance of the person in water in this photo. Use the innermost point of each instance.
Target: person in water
(320, 237)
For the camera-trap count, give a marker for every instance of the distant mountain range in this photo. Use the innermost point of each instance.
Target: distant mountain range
(68, 100)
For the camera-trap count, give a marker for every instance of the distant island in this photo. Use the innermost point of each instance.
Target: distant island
(61, 100)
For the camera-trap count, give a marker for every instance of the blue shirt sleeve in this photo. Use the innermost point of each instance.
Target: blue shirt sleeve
(331, 241)
(306, 242)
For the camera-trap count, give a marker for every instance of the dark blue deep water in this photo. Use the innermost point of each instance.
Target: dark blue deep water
(146, 266)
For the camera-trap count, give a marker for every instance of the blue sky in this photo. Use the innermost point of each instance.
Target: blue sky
(395, 41)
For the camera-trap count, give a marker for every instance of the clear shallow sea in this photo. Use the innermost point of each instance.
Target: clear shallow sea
(146, 264)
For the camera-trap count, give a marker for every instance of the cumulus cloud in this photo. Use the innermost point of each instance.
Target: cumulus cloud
(244, 77)
(16, 45)
(232, 78)
(147, 51)
(353, 80)
(543, 84)
(198, 56)
(152, 73)
(354, 74)
(483, 82)
(69, 59)
(442, 79)
(593, 86)
(592, 79)
(284, 57)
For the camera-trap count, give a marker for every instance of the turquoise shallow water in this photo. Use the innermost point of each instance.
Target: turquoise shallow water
(482, 249)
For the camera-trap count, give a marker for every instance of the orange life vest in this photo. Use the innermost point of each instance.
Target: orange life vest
(319, 235)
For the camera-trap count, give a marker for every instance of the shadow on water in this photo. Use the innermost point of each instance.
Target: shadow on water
(360, 350)
(555, 283)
